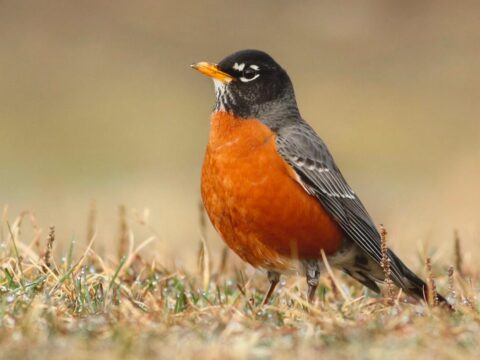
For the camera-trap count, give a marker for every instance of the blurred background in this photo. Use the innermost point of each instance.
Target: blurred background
(98, 103)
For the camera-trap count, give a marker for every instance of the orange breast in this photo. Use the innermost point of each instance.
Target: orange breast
(254, 200)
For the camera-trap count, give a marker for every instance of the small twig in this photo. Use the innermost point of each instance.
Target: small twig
(458, 253)
(451, 287)
(385, 264)
(123, 232)
(48, 252)
(432, 297)
(243, 292)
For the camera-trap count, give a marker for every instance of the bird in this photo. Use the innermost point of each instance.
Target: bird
(272, 189)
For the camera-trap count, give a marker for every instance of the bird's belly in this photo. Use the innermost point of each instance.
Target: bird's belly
(256, 204)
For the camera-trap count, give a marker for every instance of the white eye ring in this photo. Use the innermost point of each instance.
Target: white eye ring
(244, 79)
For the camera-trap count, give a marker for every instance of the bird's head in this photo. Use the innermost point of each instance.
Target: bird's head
(249, 83)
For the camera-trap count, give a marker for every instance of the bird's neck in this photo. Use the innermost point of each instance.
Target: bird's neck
(274, 114)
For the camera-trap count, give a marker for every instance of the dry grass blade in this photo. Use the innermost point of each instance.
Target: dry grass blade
(334, 279)
(202, 220)
(134, 253)
(203, 258)
(15, 249)
(3, 221)
(204, 262)
(123, 238)
(223, 261)
(92, 221)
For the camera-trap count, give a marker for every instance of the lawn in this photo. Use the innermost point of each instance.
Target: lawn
(128, 305)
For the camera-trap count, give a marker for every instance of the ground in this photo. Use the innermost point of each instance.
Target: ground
(125, 305)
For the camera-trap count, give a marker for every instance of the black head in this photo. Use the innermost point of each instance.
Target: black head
(249, 83)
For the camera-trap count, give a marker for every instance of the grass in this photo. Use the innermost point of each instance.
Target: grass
(127, 305)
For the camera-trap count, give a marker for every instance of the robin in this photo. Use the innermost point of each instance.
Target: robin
(272, 189)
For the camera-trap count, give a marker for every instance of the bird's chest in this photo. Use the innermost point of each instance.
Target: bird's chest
(241, 169)
(241, 174)
(254, 200)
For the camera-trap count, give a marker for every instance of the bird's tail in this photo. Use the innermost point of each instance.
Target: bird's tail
(406, 279)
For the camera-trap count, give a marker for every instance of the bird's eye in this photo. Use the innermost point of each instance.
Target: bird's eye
(249, 74)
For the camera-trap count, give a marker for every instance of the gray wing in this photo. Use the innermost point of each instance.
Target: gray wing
(308, 155)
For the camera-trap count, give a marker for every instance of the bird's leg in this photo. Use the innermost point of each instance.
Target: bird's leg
(274, 278)
(312, 271)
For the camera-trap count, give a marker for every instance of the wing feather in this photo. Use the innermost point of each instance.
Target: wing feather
(308, 155)
(317, 172)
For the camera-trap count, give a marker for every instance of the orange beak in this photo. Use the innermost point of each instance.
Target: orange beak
(212, 70)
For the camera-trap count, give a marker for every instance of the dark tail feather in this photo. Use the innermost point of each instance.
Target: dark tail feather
(409, 282)
(364, 278)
